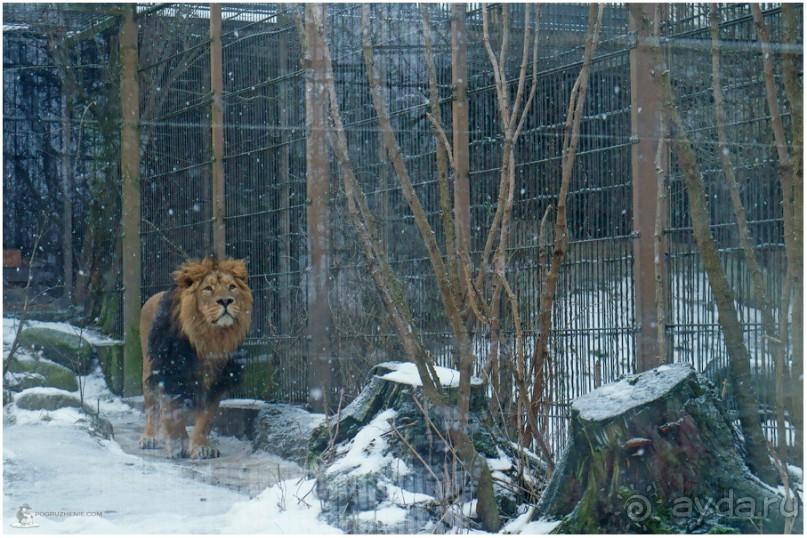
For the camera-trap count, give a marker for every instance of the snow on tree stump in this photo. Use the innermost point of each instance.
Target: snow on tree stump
(655, 452)
(389, 471)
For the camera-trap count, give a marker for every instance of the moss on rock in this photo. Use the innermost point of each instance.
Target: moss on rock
(110, 357)
(41, 373)
(69, 350)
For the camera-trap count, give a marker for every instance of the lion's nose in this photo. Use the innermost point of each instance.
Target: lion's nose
(225, 301)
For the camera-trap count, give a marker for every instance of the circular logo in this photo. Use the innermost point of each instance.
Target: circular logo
(638, 508)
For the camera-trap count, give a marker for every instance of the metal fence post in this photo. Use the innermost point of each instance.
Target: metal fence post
(130, 201)
(645, 131)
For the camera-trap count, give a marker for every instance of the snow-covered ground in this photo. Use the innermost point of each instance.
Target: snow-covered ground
(75, 482)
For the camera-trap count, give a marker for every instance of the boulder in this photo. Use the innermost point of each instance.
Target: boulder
(48, 400)
(384, 467)
(70, 350)
(24, 374)
(284, 430)
(656, 452)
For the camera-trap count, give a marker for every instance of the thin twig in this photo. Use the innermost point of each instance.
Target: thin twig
(410, 447)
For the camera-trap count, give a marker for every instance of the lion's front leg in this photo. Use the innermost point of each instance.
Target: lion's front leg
(200, 444)
(173, 422)
(149, 440)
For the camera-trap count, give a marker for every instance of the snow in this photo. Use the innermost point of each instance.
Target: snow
(386, 513)
(242, 403)
(502, 463)
(406, 373)
(523, 524)
(78, 483)
(365, 452)
(633, 391)
(93, 337)
(402, 497)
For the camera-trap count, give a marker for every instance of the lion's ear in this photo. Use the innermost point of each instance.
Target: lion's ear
(182, 278)
(191, 271)
(238, 268)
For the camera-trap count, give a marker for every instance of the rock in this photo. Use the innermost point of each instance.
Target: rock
(236, 417)
(70, 350)
(110, 356)
(48, 400)
(655, 452)
(8, 397)
(384, 468)
(24, 374)
(99, 427)
(285, 430)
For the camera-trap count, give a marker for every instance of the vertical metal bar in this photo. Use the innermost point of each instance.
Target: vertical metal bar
(320, 373)
(130, 201)
(645, 116)
(217, 130)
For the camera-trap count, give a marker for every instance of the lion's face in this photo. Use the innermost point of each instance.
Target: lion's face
(219, 299)
(215, 303)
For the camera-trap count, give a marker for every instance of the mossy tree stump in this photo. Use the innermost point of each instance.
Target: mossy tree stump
(655, 452)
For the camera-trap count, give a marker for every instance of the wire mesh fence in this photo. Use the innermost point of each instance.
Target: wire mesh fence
(267, 204)
(693, 323)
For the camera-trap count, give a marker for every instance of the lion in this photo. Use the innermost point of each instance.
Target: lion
(189, 334)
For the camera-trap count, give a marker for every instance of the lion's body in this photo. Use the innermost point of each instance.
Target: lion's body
(188, 335)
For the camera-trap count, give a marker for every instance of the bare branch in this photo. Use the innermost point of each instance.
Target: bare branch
(571, 138)
(442, 138)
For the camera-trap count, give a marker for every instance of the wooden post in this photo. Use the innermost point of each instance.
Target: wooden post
(284, 177)
(459, 113)
(320, 367)
(217, 130)
(645, 130)
(130, 225)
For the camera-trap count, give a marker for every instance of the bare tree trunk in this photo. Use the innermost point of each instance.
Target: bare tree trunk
(792, 195)
(746, 242)
(792, 58)
(67, 195)
(739, 359)
(570, 142)
(486, 507)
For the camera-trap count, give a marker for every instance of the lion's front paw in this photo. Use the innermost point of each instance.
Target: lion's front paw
(204, 452)
(147, 443)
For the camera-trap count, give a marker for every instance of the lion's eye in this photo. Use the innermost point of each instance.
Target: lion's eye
(209, 288)
(232, 286)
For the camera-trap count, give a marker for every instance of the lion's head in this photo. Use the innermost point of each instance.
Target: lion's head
(213, 304)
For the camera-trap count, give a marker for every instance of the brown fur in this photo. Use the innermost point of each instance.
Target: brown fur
(212, 308)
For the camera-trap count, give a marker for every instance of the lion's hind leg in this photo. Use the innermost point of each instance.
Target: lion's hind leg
(173, 425)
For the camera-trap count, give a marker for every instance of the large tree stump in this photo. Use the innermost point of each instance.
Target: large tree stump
(655, 452)
(384, 467)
